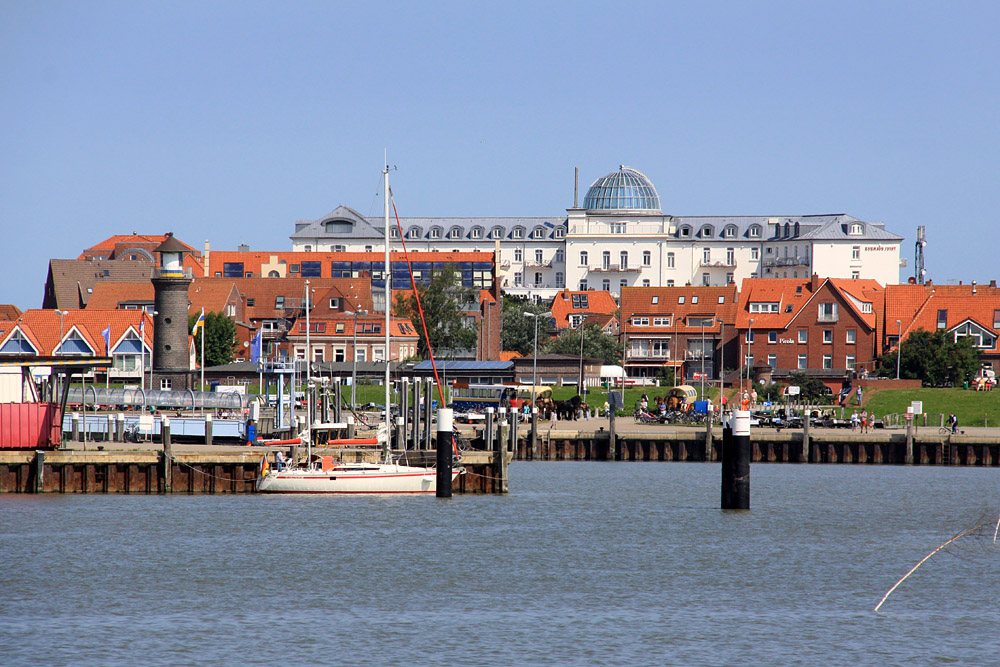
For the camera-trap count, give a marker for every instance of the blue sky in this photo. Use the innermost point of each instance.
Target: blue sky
(228, 121)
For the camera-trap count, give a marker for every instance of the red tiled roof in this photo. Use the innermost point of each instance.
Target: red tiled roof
(9, 311)
(917, 306)
(507, 355)
(399, 327)
(208, 293)
(597, 302)
(42, 327)
(638, 301)
(253, 260)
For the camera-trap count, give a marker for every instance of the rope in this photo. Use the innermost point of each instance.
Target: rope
(420, 309)
(200, 472)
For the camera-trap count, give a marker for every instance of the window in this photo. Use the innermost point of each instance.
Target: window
(279, 302)
(538, 278)
(772, 360)
(730, 256)
(559, 257)
(232, 269)
(580, 301)
(656, 299)
(623, 260)
(694, 299)
(339, 328)
(722, 299)
(455, 233)
(477, 232)
(560, 232)
(707, 231)
(538, 233)
(230, 310)
(393, 233)
(850, 362)
(606, 260)
(996, 319)
(251, 301)
(684, 231)
(670, 283)
(803, 335)
(645, 282)
(942, 319)
(606, 284)
(827, 336)
(803, 361)
(729, 232)
(706, 255)
(369, 248)
(538, 257)
(750, 336)
(754, 231)
(749, 359)
(622, 283)
(435, 232)
(730, 278)
(827, 361)
(165, 384)
(670, 260)
(855, 229)
(640, 321)
(583, 285)
(517, 279)
(772, 337)
(560, 279)
(706, 280)
(617, 227)
(661, 321)
(647, 258)
(851, 336)
(311, 269)
(496, 233)
(827, 312)
(856, 252)
(755, 253)
(855, 275)
(680, 299)
(583, 258)
(413, 233)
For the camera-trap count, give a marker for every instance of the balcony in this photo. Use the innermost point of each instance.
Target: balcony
(717, 264)
(616, 269)
(827, 318)
(660, 355)
(785, 261)
(694, 355)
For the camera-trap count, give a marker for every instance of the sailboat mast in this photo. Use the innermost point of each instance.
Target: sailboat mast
(388, 305)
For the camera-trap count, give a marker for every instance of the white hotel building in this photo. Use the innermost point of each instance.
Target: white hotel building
(620, 237)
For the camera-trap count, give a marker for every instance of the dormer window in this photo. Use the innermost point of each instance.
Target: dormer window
(560, 232)
(435, 232)
(754, 231)
(729, 232)
(680, 299)
(477, 232)
(707, 231)
(496, 233)
(394, 232)
(518, 233)
(855, 229)
(538, 233)
(656, 300)
(413, 233)
(684, 231)
(455, 233)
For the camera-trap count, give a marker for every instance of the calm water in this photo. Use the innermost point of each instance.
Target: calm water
(583, 564)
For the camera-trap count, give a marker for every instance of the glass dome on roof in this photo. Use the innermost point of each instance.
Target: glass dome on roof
(622, 190)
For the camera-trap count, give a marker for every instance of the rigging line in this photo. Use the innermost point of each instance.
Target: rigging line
(420, 309)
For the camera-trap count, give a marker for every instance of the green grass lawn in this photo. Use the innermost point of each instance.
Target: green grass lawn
(973, 408)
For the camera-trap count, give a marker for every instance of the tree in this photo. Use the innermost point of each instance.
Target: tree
(517, 332)
(809, 388)
(220, 338)
(932, 356)
(596, 344)
(444, 300)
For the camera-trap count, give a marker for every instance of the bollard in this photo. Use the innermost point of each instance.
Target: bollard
(428, 411)
(500, 453)
(805, 437)
(444, 452)
(415, 435)
(120, 429)
(168, 485)
(404, 414)
(350, 426)
(612, 440)
(708, 437)
(75, 427)
(513, 430)
(736, 462)
(909, 442)
(488, 430)
(110, 433)
(208, 428)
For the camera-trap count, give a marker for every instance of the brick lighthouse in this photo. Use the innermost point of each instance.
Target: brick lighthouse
(171, 359)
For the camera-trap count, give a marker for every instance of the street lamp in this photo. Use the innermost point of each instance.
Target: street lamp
(703, 358)
(534, 363)
(354, 351)
(749, 352)
(899, 345)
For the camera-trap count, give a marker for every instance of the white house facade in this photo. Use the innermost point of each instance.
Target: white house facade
(620, 237)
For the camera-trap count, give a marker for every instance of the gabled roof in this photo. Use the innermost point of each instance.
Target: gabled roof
(210, 294)
(678, 303)
(9, 311)
(42, 327)
(783, 291)
(598, 302)
(70, 282)
(918, 306)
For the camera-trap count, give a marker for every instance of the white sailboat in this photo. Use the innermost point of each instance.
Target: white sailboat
(335, 477)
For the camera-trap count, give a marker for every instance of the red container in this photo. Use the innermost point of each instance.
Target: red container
(30, 425)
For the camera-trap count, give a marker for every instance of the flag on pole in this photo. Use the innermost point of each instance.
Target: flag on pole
(256, 345)
(142, 329)
(199, 324)
(107, 340)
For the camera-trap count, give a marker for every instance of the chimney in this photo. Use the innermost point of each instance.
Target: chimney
(208, 268)
(576, 187)
(243, 247)
(973, 286)
(814, 283)
(993, 283)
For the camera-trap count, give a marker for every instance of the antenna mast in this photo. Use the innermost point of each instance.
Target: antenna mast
(919, 273)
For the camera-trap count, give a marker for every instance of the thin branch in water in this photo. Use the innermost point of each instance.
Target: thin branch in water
(924, 559)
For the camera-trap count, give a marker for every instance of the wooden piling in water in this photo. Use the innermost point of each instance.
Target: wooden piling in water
(736, 462)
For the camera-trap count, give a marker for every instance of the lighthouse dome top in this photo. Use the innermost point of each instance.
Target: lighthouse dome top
(623, 190)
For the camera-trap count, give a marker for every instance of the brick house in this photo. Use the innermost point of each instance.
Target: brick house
(689, 329)
(826, 328)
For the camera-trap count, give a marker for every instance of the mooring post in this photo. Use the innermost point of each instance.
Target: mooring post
(404, 413)
(612, 438)
(444, 452)
(534, 435)
(428, 410)
(168, 484)
(514, 414)
(500, 453)
(909, 442)
(120, 428)
(39, 471)
(75, 427)
(708, 437)
(488, 430)
(338, 398)
(805, 437)
(109, 434)
(736, 462)
(208, 428)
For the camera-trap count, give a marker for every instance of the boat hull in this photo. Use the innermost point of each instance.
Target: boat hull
(388, 479)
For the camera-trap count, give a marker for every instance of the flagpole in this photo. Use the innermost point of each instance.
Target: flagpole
(202, 369)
